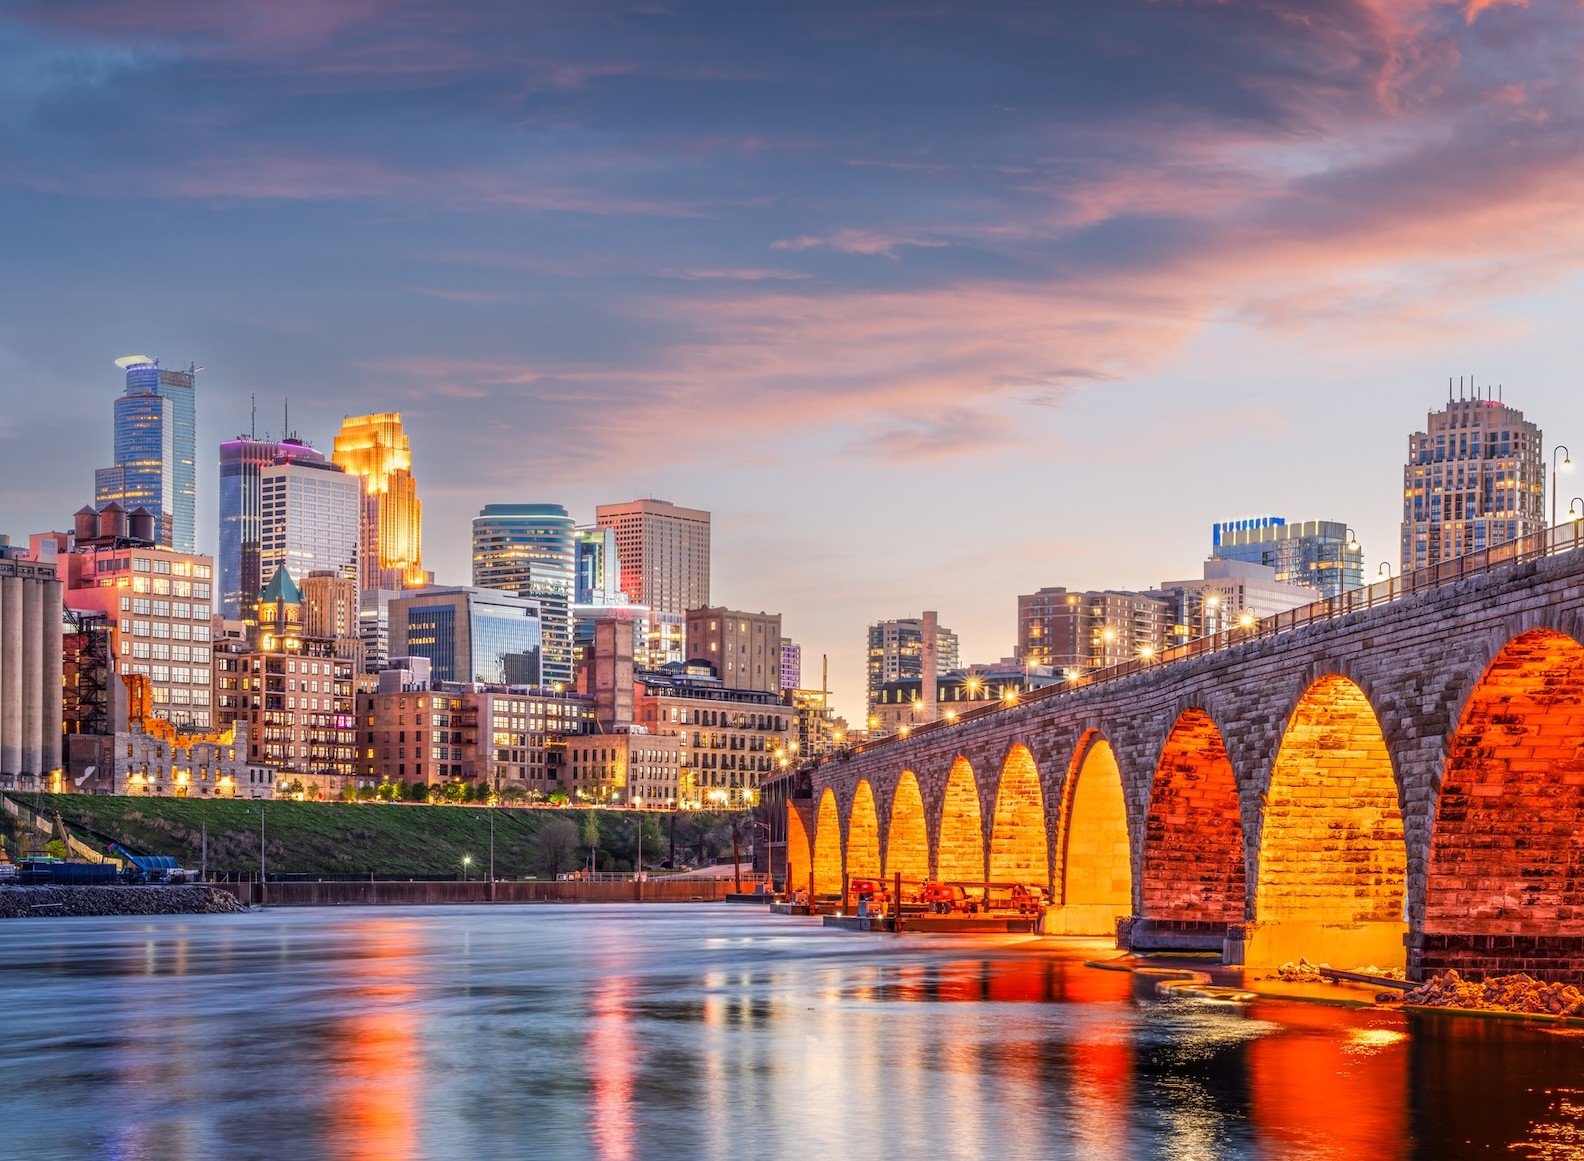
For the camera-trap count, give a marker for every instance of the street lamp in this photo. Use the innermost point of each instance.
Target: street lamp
(1565, 466)
(1352, 544)
(1247, 620)
(1576, 509)
(467, 862)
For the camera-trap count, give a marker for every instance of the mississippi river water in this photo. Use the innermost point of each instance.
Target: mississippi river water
(710, 1032)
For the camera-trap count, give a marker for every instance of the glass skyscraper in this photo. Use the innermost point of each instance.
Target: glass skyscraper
(156, 451)
(242, 462)
(530, 550)
(470, 635)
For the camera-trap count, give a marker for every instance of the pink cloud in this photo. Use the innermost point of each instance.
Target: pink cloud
(856, 241)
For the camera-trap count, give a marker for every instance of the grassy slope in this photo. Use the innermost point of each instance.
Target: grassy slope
(314, 838)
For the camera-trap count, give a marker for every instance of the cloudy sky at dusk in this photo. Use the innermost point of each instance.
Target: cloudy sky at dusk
(930, 303)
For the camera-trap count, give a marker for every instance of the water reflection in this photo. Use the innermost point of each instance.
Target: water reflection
(626, 1033)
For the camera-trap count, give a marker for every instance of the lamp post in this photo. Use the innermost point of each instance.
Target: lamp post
(1576, 509)
(1385, 570)
(467, 862)
(1566, 465)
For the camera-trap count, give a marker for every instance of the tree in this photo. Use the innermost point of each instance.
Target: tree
(415, 792)
(554, 845)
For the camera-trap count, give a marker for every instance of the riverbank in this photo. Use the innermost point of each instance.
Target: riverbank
(407, 893)
(33, 902)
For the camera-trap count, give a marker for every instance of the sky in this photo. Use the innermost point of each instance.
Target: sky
(929, 303)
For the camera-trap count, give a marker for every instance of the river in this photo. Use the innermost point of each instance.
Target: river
(705, 1032)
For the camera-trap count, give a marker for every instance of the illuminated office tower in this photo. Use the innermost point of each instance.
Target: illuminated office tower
(530, 550)
(155, 451)
(1475, 478)
(242, 463)
(390, 534)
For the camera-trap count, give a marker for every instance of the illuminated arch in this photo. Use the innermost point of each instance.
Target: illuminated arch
(907, 840)
(798, 856)
(1506, 861)
(1332, 858)
(1019, 850)
(827, 846)
(1193, 834)
(959, 845)
(1096, 857)
(863, 834)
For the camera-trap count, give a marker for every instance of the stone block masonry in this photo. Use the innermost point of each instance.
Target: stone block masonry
(1402, 785)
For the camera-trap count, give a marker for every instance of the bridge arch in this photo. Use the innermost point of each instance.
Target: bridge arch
(1505, 876)
(1096, 865)
(907, 850)
(959, 843)
(1193, 857)
(1333, 859)
(1019, 845)
(863, 833)
(799, 855)
(827, 861)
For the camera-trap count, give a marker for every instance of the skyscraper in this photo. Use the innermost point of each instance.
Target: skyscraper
(896, 651)
(664, 551)
(390, 536)
(598, 567)
(242, 462)
(530, 550)
(1475, 478)
(470, 635)
(1318, 553)
(156, 451)
(309, 519)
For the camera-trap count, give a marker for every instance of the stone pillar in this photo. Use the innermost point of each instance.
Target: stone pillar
(54, 675)
(32, 677)
(11, 666)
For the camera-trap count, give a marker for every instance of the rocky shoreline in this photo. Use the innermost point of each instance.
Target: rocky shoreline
(25, 902)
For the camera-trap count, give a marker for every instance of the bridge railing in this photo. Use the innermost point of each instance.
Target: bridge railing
(1563, 538)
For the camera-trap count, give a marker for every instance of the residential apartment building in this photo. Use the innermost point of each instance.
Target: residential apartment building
(731, 739)
(512, 740)
(1321, 554)
(630, 768)
(1475, 479)
(743, 649)
(158, 604)
(1067, 631)
(896, 651)
(295, 696)
(1231, 594)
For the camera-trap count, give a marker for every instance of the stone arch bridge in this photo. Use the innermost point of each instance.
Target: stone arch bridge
(1394, 777)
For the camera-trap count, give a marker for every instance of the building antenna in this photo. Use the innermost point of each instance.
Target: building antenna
(253, 420)
(286, 417)
(1449, 388)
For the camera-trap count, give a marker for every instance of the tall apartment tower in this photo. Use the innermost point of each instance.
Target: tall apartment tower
(896, 652)
(390, 536)
(1082, 631)
(156, 451)
(664, 552)
(1475, 478)
(530, 550)
(242, 463)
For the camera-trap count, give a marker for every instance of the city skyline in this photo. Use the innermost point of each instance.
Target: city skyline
(692, 305)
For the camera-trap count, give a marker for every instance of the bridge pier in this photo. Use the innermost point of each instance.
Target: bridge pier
(1545, 957)
(1099, 919)
(1381, 943)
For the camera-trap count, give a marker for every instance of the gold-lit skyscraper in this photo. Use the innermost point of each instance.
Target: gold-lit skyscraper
(390, 537)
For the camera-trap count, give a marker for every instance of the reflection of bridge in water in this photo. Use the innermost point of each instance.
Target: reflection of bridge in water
(1393, 777)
